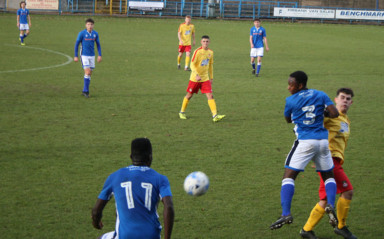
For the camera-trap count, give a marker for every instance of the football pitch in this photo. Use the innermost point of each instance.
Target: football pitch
(57, 147)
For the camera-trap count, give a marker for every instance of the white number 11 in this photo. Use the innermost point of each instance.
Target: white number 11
(128, 193)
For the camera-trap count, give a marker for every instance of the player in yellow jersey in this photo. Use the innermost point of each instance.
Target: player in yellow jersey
(338, 129)
(201, 78)
(185, 34)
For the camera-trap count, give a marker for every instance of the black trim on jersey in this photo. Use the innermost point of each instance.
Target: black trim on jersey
(295, 144)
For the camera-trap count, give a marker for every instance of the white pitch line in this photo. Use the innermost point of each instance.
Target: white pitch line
(69, 60)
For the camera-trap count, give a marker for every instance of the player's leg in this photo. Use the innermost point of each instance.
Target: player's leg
(258, 65)
(206, 88)
(87, 81)
(260, 54)
(190, 90)
(21, 36)
(299, 156)
(181, 50)
(253, 56)
(26, 33)
(187, 58)
(345, 188)
(330, 189)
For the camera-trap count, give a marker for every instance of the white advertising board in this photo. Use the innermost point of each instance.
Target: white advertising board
(304, 12)
(359, 14)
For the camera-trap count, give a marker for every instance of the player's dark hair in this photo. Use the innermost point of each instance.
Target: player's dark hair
(22, 3)
(300, 77)
(205, 37)
(89, 20)
(347, 91)
(141, 151)
(257, 20)
(188, 16)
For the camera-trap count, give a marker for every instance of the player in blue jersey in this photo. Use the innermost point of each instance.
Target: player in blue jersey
(137, 190)
(23, 22)
(257, 39)
(87, 38)
(306, 109)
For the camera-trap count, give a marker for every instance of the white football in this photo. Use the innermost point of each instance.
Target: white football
(196, 183)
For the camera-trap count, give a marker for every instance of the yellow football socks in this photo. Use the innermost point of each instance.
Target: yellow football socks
(342, 209)
(187, 58)
(212, 106)
(184, 105)
(316, 214)
(178, 60)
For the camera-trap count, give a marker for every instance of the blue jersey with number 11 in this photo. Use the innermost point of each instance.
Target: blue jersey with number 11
(137, 191)
(306, 109)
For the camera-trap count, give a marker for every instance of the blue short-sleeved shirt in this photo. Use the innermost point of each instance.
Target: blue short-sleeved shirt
(137, 191)
(257, 36)
(87, 41)
(306, 109)
(23, 13)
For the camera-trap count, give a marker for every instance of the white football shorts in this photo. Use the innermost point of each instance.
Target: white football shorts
(255, 52)
(88, 62)
(24, 27)
(304, 151)
(108, 235)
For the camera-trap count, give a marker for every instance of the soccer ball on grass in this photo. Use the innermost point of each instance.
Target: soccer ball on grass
(196, 183)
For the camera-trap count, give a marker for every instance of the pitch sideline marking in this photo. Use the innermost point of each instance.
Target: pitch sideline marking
(69, 60)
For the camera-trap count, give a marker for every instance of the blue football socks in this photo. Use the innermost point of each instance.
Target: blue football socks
(258, 68)
(331, 189)
(87, 82)
(21, 38)
(253, 65)
(286, 195)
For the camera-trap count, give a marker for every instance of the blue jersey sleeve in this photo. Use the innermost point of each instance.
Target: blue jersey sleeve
(327, 100)
(288, 109)
(106, 192)
(165, 187)
(78, 40)
(98, 45)
(18, 12)
(250, 32)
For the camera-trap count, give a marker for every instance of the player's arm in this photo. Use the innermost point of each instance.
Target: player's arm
(193, 36)
(331, 111)
(29, 20)
(250, 41)
(97, 213)
(210, 69)
(179, 36)
(78, 40)
(266, 43)
(169, 216)
(18, 20)
(98, 49)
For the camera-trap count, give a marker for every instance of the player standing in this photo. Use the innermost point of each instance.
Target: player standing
(23, 22)
(305, 108)
(185, 34)
(257, 39)
(338, 129)
(87, 38)
(137, 190)
(201, 79)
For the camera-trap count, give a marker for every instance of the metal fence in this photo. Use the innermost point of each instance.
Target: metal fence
(248, 9)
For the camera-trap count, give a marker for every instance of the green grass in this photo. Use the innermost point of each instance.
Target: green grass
(57, 148)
